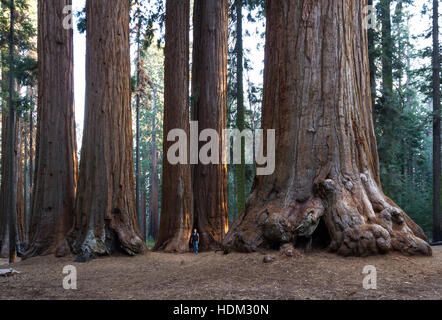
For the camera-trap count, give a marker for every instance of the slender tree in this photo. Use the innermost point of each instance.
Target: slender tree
(209, 109)
(177, 211)
(56, 154)
(240, 171)
(105, 210)
(11, 174)
(144, 211)
(437, 222)
(387, 111)
(20, 204)
(326, 185)
(4, 235)
(154, 190)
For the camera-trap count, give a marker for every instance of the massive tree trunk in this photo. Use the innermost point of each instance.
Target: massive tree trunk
(177, 211)
(105, 213)
(437, 188)
(53, 198)
(317, 97)
(209, 108)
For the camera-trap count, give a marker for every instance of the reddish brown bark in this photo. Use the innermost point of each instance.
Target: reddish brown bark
(21, 226)
(317, 98)
(56, 149)
(4, 219)
(177, 212)
(105, 210)
(6, 187)
(209, 108)
(4, 237)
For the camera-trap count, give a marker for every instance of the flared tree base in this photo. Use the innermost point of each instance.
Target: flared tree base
(111, 241)
(359, 219)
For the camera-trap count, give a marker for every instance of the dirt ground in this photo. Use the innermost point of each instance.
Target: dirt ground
(155, 276)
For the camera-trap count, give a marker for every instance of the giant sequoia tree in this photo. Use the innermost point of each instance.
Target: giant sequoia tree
(317, 98)
(56, 154)
(8, 196)
(209, 108)
(105, 213)
(177, 212)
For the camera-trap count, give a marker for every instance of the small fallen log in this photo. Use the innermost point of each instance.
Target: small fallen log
(8, 272)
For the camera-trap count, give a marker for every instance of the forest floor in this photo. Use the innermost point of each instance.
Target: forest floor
(154, 276)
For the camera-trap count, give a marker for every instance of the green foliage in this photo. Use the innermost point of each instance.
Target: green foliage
(150, 88)
(402, 117)
(254, 14)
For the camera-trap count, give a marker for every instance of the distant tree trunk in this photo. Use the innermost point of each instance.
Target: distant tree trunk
(105, 210)
(25, 191)
(240, 120)
(6, 188)
(4, 234)
(20, 212)
(387, 48)
(326, 186)
(11, 174)
(31, 154)
(144, 209)
(209, 108)
(154, 198)
(56, 154)
(437, 220)
(387, 111)
(177, 211)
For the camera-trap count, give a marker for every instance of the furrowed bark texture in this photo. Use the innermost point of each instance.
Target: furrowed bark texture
(52, 212)
(4, 218)
(317, 98)
(177, 211)
(105, 213)
(20, 213)
(209, 108)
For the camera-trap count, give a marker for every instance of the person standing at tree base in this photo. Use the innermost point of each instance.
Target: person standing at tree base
(195, 239)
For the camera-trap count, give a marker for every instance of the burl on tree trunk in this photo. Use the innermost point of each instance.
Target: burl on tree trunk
(105, 214)
(317, 98)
